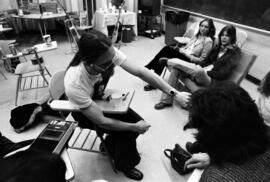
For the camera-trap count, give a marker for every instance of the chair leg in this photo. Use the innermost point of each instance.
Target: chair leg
(18, 88)
(48, 72)
(43, 76)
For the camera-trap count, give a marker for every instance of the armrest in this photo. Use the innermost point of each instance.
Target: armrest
(62, 105)
(182, 40)
(195, 176)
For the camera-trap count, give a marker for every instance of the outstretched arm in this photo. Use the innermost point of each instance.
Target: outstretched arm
(155, 80)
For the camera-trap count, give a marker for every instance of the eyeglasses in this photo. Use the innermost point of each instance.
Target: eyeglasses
(103, 67)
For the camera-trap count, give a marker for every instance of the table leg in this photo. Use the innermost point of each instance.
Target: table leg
(40, 28)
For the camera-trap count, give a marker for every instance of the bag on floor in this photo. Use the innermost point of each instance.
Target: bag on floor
(28, 115)
(178, 156)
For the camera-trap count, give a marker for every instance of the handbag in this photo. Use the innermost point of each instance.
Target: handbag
(178, 156)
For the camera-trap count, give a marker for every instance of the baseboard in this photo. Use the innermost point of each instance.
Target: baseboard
(253, 79)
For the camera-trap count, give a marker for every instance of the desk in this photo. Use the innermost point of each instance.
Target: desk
(112, 106)
(43, 46)
(41, 18)
(102, 20)
(2, 29)
(40, 48)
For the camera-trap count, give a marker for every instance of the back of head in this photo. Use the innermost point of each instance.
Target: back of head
(91, 46)
(229, 125)
(33, 166)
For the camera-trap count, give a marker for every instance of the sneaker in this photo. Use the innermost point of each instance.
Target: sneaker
(162, 105)
(134, 174)
(163, 61)
(148, 87)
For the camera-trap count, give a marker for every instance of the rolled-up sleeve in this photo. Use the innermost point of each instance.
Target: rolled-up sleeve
(78, 97)
(119, 57)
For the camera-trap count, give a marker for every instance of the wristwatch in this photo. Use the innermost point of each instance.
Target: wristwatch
(172, 92)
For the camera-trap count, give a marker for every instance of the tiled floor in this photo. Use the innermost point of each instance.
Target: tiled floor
(166, 125)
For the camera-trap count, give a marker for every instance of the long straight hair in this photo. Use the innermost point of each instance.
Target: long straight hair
(91, 46)
(212, 29)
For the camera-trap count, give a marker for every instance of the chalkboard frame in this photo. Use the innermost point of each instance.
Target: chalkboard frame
(221, 16)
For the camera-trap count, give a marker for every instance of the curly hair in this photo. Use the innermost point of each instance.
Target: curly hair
(212, 29)
(230, 128)
(264, 87)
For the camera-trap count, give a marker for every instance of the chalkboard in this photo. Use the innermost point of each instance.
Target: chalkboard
(254, 13)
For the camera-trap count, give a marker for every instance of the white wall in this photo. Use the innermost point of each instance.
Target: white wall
(131, 5)
(8, 4)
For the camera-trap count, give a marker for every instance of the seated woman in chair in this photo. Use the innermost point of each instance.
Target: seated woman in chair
(216, 67)
(195, 51)
(85, 80)
(232, 134)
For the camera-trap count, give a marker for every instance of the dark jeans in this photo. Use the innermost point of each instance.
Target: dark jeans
(7, 146)
(121, 144)
(167, 52)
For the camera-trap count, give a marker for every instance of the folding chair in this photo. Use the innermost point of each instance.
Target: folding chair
(28, 78)
(2, 58)
(83, 139)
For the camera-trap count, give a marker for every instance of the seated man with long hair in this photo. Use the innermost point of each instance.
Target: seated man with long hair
(231, 133)
(86, 78)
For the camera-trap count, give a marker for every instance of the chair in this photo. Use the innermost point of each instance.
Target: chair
(82, 137)
(181, 41)
(2, 58)
(245, 62)
(241, 37)
(72, 33)
(27, 77)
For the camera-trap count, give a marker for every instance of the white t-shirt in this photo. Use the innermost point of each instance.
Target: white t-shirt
(79, 84)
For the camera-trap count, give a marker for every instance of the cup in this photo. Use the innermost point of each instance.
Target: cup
(116, 98)
(59, 10)
(20, 12)
(47, 40)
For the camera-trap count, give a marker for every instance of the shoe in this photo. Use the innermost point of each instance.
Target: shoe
(163, 61)
(162, 105)
(193, 147)
(134, 174)
(148, 88)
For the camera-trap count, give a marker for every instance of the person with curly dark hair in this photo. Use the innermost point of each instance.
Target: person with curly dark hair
(232, 134)
(263, 99)
(196, 50)
(31, 166)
